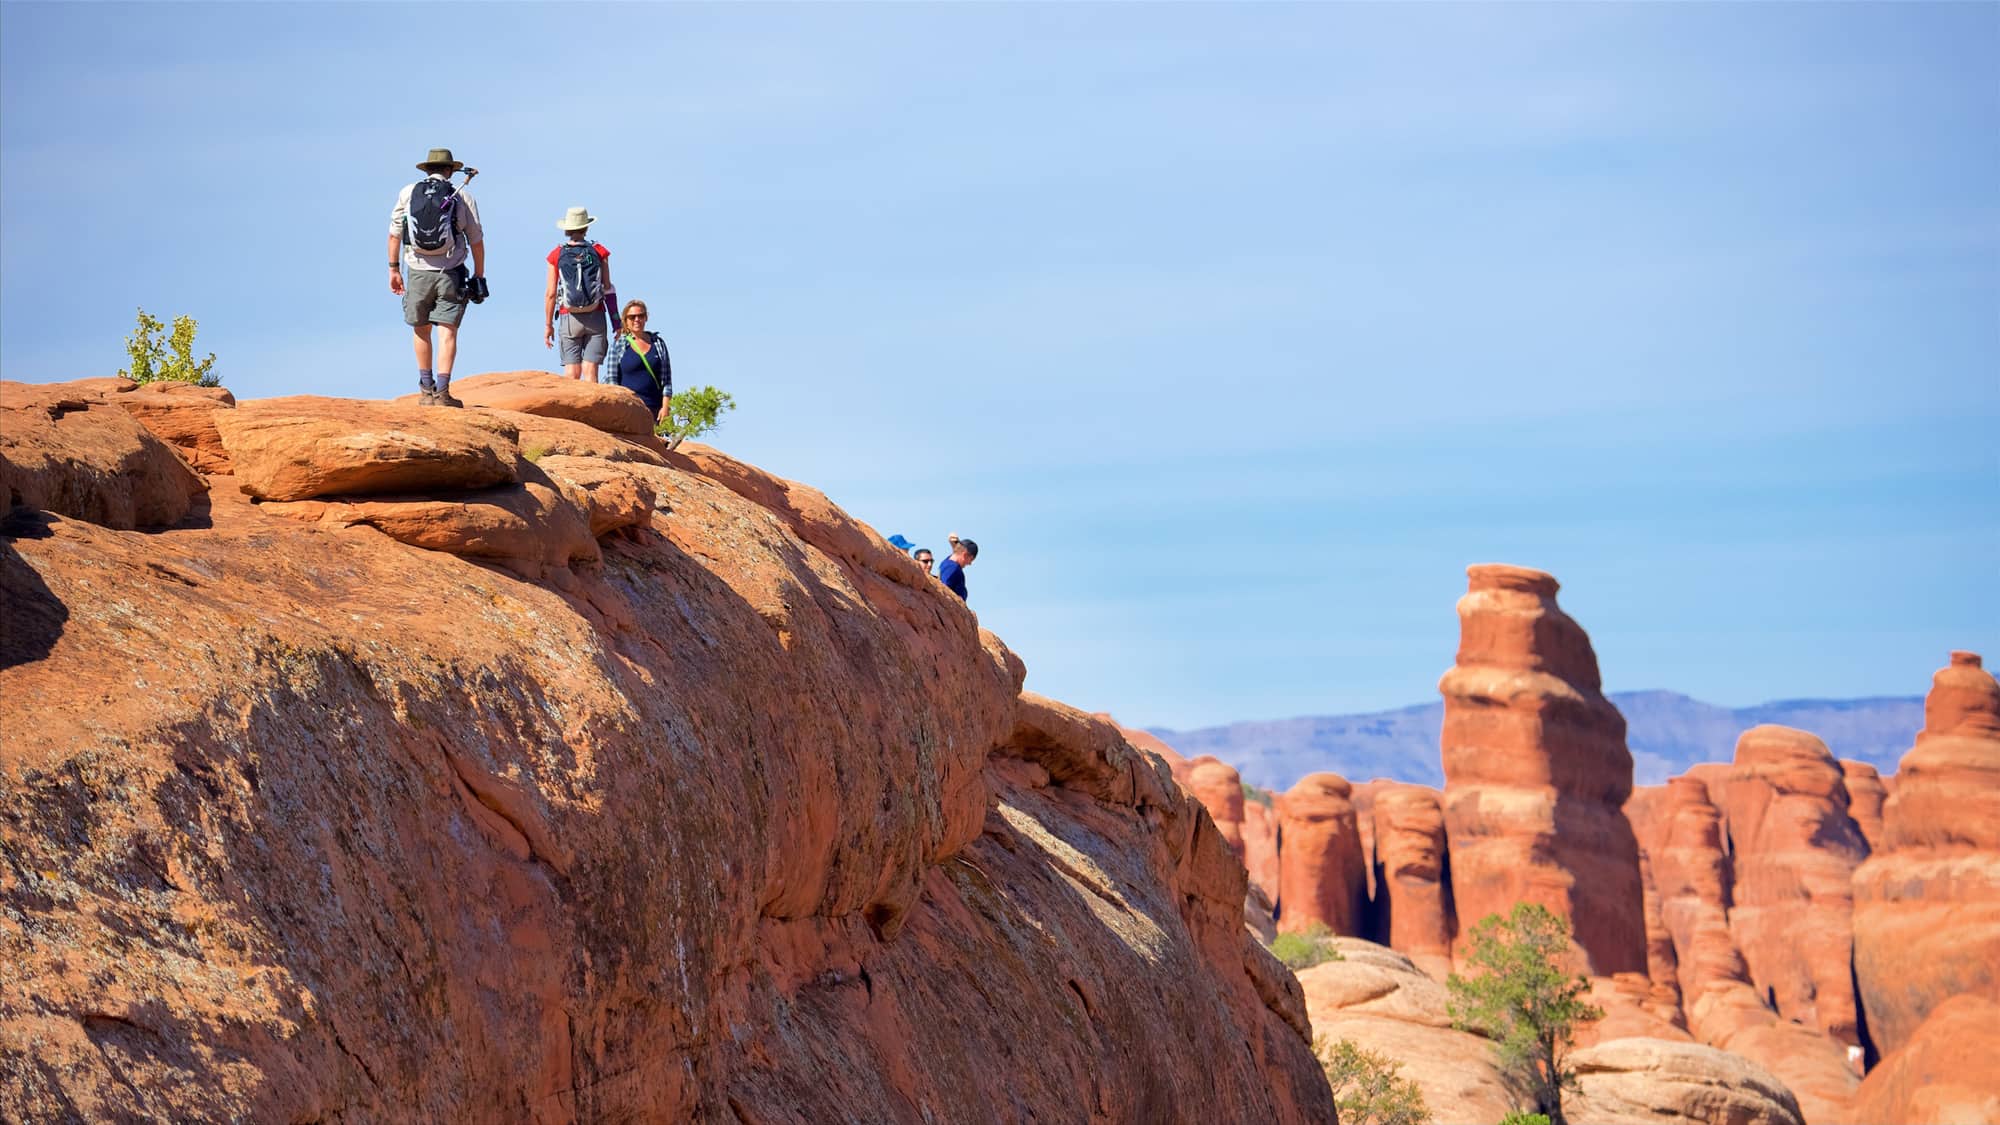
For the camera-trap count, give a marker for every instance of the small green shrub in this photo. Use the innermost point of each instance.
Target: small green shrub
(535, 451)
(171, 360)
(692, 413)
(1369, 1088)
(1521, 998)
(1303, 950)
(1522, 1117)
(1257, 796)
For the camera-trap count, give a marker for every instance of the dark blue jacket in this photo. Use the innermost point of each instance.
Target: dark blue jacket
(953, 575)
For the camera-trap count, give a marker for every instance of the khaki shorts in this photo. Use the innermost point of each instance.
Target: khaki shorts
(583, 338)
(432, 297)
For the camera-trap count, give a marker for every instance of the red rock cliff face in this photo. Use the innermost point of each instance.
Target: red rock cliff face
(1927, 906)
(1536, 770)
(1785, 803)
(727, 816)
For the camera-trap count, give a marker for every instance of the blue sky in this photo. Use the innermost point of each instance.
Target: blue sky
(1233, 332)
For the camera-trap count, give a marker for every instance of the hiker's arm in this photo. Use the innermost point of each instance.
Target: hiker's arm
(549, 309)
(474, 231)
(610, 298)
(398, 215)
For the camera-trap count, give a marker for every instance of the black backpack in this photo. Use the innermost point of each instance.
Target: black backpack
(580, 272)
(433, 207)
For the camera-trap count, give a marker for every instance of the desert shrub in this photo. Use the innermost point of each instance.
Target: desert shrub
(1256, 796)
(1303, 950)
(1522, 1117)
(170, 360)
(692, 413)
(1523, 1001)
(535, 451)
(1367, 1087)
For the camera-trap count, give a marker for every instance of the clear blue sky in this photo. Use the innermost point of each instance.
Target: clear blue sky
(1233, 332)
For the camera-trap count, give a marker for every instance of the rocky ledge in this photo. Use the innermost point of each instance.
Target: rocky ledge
(364, 762)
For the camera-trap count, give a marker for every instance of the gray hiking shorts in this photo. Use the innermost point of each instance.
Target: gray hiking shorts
(583, 338)
(432, 297)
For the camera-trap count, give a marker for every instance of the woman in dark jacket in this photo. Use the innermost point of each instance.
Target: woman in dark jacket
(638, 360)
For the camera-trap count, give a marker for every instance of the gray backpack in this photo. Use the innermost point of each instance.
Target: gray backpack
(580, 276)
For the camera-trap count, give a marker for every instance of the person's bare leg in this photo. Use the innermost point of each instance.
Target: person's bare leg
(422, 333)
(589, 372)
(571, 370)
(447, 349)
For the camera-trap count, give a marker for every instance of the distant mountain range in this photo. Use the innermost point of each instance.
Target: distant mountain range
(1666, 731)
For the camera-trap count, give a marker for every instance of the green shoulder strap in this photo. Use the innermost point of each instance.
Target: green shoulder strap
(657, 385)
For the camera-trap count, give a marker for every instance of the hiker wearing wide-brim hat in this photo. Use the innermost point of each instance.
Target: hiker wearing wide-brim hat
(432, 227)
(579, 292)
(439, 160)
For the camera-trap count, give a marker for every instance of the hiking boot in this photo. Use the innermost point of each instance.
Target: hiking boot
(426, 397)
(443, 398)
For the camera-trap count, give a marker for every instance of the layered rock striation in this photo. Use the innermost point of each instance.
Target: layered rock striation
(1536, 770)
(730, 814)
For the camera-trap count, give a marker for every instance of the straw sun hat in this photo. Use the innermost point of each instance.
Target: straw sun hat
(576, 218)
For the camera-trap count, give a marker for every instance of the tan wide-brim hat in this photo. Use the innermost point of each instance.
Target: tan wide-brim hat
(440, 158)
(576, 218)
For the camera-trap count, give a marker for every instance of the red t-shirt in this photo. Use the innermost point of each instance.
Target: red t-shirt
(603, 255)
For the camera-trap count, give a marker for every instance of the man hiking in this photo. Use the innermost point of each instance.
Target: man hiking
(952, 573)
(434, 224)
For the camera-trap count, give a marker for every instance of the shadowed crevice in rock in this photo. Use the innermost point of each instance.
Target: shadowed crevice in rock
(32, 617)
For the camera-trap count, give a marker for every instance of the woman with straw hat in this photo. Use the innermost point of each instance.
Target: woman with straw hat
(579, 290)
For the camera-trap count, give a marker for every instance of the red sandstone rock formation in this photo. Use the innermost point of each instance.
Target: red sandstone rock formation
(1320, 878)
(1646, 809)
(1927, 905)
(1413, 903)
(1219, 788)
(65, 449)
(183, 416)
(1380, 1001)
(1536, 770)
(306, 447)
(611, 409)
(741, 820)
(1363, 799)
(1945, 1074)
(1795, 850)
(1694, 876)
(1640, 1081)
(1865, 795)
(1260, 844)
(1155, 746)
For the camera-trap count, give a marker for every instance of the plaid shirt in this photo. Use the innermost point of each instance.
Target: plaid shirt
(663, 368)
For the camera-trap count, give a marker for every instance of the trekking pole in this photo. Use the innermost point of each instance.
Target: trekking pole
(476, 290)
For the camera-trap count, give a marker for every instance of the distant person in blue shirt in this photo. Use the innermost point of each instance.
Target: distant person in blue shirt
(952, 573)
